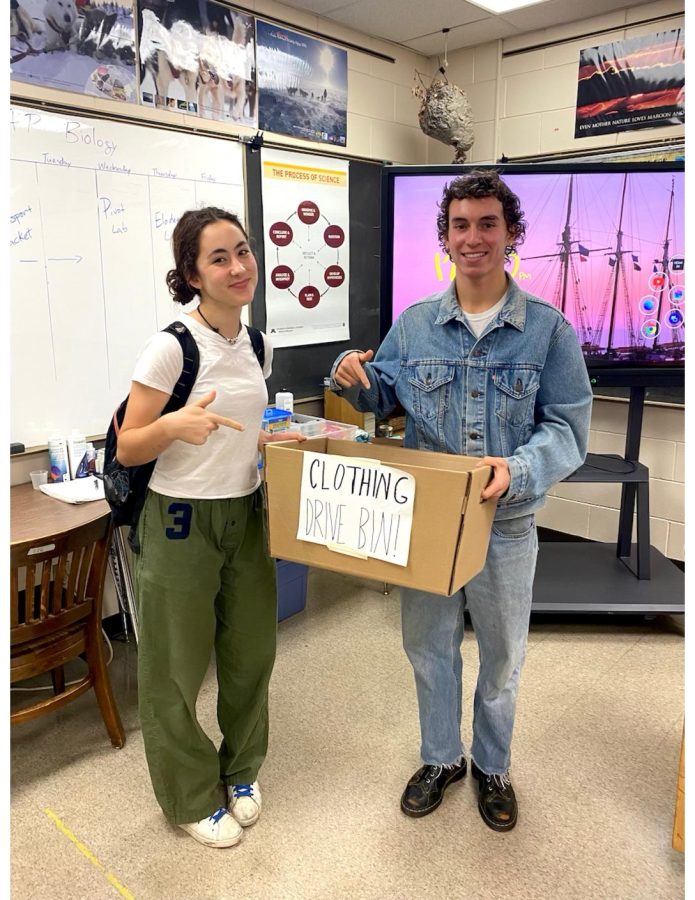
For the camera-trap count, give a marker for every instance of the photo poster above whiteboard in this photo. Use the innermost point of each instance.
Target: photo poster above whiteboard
(93, 206)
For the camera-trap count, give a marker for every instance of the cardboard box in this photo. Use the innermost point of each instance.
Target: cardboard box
(450, 525)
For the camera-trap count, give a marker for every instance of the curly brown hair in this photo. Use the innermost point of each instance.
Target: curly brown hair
(185, 243)
(475, 185)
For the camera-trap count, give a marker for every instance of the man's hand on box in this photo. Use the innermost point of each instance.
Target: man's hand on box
(265, 437)
(500, 476)
(350, 371)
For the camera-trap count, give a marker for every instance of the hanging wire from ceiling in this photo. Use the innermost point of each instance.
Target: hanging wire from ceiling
(445, 64)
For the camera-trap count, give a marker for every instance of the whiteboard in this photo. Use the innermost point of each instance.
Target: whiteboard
(93, 206)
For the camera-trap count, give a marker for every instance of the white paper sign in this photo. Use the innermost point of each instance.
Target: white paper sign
(356, 506)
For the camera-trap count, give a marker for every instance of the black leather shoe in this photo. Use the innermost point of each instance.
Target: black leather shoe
(496, 800)
(425, 790)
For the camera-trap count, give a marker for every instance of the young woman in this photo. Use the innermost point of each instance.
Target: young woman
(203, 577)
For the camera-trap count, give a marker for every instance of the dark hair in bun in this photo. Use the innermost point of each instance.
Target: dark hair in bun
(186, 245)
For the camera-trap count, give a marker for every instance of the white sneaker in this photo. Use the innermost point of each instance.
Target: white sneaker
(244, 802)
(218, 830)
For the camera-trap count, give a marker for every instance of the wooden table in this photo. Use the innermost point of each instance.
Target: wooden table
(33, 514)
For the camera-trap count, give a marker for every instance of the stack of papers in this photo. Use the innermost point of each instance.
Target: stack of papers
(80, 490)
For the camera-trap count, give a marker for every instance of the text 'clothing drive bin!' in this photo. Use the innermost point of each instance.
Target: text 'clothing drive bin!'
(354, 507)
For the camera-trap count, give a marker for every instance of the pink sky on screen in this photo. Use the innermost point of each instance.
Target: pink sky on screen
(421, 268)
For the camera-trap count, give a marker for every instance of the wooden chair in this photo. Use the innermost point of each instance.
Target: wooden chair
(56, 590)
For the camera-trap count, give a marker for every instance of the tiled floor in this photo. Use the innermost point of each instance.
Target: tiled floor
(595, 770)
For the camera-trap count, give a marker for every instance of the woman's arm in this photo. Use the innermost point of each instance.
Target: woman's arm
(145, 433)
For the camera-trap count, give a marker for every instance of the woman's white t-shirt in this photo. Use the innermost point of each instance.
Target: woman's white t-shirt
(227, 464)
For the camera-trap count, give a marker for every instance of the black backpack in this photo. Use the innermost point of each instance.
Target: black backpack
(125, 487)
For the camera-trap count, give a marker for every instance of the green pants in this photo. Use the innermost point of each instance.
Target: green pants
(203, 579)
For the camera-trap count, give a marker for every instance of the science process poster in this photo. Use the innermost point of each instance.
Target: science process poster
(307, 248)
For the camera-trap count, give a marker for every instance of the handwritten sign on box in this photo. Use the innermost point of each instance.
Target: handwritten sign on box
(356, 506)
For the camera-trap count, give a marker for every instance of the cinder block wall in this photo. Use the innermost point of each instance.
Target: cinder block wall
(591, 510)
(523, 89)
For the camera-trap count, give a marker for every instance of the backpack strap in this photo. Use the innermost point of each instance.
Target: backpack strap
(189, 372)
(258, 344)
(179, 396)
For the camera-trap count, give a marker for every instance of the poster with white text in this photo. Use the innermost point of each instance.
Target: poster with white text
(307, 248)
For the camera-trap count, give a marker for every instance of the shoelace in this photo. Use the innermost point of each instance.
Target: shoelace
(433, 772)
(500, 781)
(216, 816)
(242, 790)
(436, 771)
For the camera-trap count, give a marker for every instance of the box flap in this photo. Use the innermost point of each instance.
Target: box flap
(475, 530)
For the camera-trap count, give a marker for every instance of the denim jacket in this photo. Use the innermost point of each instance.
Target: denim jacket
(520, 391)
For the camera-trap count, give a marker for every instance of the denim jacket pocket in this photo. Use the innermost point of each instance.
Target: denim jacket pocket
(516, 388)
(431, 386)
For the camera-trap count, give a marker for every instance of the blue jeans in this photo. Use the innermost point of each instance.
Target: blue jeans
(499, 602)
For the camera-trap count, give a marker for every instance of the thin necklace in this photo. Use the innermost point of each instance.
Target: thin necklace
(217, 330)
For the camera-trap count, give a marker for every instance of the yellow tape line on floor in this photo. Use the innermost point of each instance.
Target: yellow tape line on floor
(123, 891)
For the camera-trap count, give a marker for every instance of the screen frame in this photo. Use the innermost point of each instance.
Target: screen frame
(601, 374)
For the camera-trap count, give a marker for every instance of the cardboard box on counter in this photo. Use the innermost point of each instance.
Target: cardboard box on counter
(450, 526)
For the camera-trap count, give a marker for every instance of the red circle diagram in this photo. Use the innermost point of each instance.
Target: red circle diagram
(334, 236)
(281, 234)
(308, 212)
(334, 276)
(282, 277)
(309, 296)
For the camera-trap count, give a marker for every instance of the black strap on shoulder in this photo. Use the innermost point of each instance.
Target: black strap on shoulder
(258, 344)
(189, 372)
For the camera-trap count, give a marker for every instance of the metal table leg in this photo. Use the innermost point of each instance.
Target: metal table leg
(120, 568)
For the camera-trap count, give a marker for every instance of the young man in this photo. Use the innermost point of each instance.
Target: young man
(481, 369)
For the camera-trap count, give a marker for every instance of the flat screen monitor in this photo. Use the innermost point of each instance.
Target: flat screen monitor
(604, 243)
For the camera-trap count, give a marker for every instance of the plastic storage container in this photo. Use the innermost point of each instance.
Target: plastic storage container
(291, 579)
(312, 427)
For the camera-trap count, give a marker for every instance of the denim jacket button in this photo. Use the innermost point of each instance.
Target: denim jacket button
(474, 435)
(475, 393)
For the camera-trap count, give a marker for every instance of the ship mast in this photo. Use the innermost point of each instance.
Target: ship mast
(566, 249)
(664, 263)
(618, 265)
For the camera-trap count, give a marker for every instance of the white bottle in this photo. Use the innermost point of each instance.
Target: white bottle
(284, 400)
(77, 450)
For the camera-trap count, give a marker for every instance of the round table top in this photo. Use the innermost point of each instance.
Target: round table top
(33, 514)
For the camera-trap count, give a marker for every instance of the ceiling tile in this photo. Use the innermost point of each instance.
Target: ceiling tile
(401, 21)
(559, 12)
(417, 25)
(490, 29)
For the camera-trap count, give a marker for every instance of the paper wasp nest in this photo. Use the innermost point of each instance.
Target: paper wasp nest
(445, 114)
